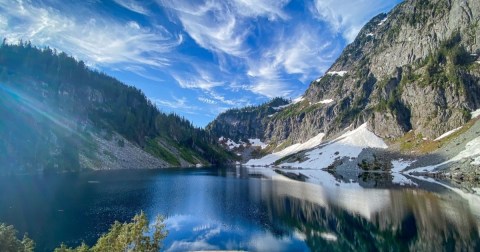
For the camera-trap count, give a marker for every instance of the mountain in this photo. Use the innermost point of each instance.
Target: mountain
(57, 114)
(246, 123)
(410, 75)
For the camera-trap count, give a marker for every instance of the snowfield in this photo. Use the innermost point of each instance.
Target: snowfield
(257, 143)
(472, 149)
(349, 144)
(271, 158)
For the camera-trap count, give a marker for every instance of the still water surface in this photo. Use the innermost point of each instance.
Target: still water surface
(242, 209)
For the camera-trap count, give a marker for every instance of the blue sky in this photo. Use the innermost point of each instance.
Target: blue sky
(197, 58)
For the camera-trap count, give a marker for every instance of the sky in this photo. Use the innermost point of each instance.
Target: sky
(197, 58)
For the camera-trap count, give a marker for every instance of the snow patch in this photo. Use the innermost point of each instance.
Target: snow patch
(383, 21)
(282, 107)
(476, 113)
(271, 158)
(328, 236)
(298, 99)
(294, 101)
(339, 73)
(327, 101)
(257, 143)
(472, 149)
(318, 80)
(370, 35)
(448, 133)
(230, 143)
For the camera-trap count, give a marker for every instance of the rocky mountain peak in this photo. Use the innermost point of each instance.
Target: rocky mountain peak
(414, 68)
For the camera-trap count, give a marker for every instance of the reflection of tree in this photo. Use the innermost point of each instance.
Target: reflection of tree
(412, 220)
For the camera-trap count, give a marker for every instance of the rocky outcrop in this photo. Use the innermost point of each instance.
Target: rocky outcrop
(246, 123)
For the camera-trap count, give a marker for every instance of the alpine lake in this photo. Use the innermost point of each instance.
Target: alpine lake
(247, 209)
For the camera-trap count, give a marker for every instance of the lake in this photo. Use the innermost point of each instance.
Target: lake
(255, 209)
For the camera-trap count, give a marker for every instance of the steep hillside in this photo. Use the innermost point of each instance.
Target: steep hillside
(57, 114)
(414, 70)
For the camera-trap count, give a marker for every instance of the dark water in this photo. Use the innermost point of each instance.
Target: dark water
(240, 209)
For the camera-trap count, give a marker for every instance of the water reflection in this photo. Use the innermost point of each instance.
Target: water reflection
(354, 218)
(246, 209)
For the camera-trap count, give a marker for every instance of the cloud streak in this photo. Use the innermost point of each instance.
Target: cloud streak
(133, 5)
(348, 17)
(97, 39)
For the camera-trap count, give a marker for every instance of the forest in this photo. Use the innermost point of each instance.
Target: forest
(51, 103)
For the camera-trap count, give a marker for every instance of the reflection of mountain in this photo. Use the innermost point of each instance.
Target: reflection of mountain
(339, 219)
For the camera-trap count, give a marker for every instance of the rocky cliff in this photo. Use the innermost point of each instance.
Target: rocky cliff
(415, 68)
(246, 123)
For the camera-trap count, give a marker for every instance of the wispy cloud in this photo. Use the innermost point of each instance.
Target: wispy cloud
(296, 52)
(212, 24)
(133, 5)
(175, 103)
(206, 100)
(347, 17)
(272, 9)
(92, 37)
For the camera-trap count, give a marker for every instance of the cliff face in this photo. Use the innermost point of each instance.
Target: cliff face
(246, 123)
(415, 68)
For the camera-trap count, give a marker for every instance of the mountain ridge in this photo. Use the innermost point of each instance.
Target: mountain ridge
(414, 69)
(57, 114)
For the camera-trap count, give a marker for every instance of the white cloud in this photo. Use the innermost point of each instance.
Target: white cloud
(348, 16)
(196, 80)
(270, 89)
(176, 104)
(272, 9)
(133, 5)
(91, 37)
(206, 100)
(212, 25)
(300, 52)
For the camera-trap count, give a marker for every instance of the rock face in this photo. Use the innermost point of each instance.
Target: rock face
(246, 123)
(415, 68)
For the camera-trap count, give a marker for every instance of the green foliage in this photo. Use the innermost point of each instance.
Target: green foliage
(131, 236)
(10, 243)
(154, 148)
(445, 66)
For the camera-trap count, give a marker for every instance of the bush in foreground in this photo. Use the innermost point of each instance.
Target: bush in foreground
(10, 243)
(129, 236)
